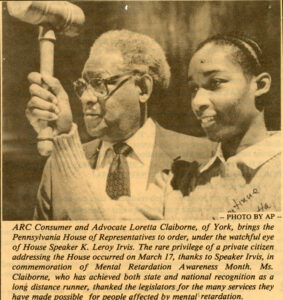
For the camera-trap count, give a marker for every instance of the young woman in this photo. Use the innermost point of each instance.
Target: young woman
(227, 80)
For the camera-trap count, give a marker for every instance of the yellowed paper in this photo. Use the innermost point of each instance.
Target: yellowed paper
(185, 249)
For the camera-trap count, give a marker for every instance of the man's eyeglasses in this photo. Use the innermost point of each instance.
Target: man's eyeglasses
(100, 85)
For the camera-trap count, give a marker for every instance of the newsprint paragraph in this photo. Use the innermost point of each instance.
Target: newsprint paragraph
(141, 150)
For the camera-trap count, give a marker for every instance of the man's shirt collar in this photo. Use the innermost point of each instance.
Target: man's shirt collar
(141, 142)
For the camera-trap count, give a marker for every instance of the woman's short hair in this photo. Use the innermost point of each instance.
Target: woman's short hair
(248, 54)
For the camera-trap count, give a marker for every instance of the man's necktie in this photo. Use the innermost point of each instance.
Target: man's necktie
(118, 179)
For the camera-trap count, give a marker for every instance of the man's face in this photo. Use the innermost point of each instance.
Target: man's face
(116, 118)
(222, 96)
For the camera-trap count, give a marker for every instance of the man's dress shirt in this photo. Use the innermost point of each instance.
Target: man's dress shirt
(138, 160)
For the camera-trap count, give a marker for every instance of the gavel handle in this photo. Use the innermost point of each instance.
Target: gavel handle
(46, 44)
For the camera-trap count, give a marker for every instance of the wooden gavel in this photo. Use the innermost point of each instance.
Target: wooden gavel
(52, 16)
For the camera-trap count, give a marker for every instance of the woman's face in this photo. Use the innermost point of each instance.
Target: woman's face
(222, 95)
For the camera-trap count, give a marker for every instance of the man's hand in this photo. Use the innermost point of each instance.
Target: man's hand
(50, 104)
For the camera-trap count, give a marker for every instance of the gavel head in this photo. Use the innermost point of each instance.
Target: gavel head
(63, 17)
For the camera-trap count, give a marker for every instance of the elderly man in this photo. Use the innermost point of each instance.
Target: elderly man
(124, 71)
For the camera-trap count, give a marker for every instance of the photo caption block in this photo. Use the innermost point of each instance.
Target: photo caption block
(236, 257)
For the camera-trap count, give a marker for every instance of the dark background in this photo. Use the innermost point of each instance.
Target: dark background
(177, 26)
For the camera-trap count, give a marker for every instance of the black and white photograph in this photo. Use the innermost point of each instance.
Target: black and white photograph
(141, 150)
(140, 110)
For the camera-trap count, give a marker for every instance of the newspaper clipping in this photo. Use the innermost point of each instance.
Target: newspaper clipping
(141, 150)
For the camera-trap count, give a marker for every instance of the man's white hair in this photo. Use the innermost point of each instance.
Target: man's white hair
(139, 52)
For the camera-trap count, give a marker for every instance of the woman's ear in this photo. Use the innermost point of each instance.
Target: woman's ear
(263, 81)
(145, 84)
